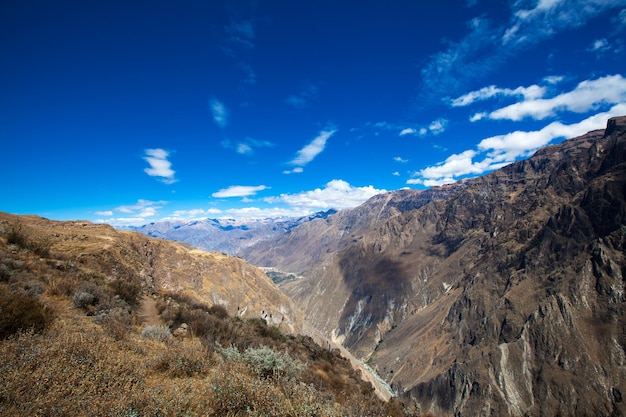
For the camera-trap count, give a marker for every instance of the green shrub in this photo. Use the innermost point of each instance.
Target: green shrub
(266, 363)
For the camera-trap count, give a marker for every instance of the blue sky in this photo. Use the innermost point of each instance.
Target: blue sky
(136, 111)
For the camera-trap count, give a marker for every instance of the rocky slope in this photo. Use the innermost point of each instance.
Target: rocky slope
(504, 298)
(307, 245)
(161, 265)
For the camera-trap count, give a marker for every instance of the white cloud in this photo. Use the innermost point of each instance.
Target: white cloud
(531, 92)
(477, 116)
(497, 151)
(400, 159)
(310, 151)
(247, 146)
(553, 79)
(600, 45)
(194, 214)
(219, 112)
(408, 131)
(588, 95)
(134, 215)
(296, 170)
(160, 167)
(491, 42)
(239, 191)
(438, 126)
(337, 194)
(435, 127)
(244, 149)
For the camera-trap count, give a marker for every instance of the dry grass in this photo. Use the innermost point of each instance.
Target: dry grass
(72, 345)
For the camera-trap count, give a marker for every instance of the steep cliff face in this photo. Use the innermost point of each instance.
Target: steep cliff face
(504, 298)
(311, 243)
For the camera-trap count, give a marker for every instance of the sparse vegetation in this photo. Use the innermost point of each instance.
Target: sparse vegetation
(72, 343)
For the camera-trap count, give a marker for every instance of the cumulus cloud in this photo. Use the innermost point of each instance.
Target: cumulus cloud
(588, 95)
(310, 151)
(337, 194)
(400, 159)
(239, 191)
(438, 126)
(219, 112)
(160, 166)
(497, 151)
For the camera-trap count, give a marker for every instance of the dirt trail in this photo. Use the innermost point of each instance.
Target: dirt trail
(149, 313)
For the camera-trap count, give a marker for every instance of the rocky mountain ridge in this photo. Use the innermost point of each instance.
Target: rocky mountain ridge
(505, 297)
(229, 236)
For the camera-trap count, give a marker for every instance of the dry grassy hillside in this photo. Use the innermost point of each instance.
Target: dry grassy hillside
(100, 323)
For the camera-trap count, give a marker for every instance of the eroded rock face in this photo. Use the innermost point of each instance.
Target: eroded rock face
(505, 297)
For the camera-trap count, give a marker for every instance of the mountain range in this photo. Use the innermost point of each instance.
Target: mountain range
(499, 295)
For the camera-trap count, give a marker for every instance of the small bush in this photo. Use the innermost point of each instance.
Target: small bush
(16, 236)
(40, 247)
(127, 290)
(266, 363)
(21, 312)
(159, 333)
(219, 312)
(91, 297)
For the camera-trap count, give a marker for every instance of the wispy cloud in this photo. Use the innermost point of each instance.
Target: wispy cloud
(296, 170)
(304, 97)
(247, 146)
(531, 92)
(434, 128)
(337, 194)
(489, 42)
(239, 191)
(311, 150)
(249, 76)
(497, 151)
(400, 159)
(408, 131)
(219, 112)
(136, 214)
(160, 166)
(588, 95)
(241, 33)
